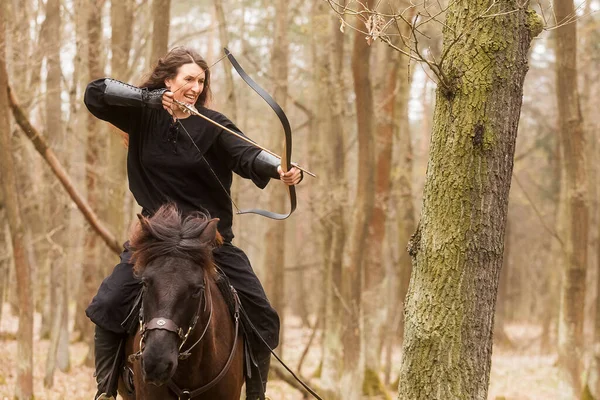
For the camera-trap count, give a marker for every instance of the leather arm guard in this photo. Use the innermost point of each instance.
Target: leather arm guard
(266, 165)
(118, 93)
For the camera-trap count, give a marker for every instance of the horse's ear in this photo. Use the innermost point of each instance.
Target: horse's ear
(210, 233)
(144, 225)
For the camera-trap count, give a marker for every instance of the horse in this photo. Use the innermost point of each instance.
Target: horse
(188, 345)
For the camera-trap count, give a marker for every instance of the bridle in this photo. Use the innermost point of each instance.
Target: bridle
(161, 323)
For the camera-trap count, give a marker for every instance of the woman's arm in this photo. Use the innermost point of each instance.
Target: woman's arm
(119, 103)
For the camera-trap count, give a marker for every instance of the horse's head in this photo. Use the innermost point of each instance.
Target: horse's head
(173, 258)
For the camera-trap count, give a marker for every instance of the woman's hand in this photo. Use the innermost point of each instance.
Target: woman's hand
(167, 101)
(292, 177)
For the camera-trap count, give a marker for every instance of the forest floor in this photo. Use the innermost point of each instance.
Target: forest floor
(519, 374)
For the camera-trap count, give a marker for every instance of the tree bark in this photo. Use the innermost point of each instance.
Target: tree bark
(457, 248)
(576, 225)
(24, 385)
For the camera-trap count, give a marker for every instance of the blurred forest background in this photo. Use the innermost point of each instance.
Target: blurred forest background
(358, 82)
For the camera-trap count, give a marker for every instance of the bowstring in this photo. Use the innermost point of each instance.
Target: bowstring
(194, 143)
(203, 71)
(208, 164)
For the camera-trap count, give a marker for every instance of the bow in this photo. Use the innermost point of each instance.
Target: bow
(286, 154)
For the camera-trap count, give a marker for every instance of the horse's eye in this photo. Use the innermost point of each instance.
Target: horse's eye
(197, 292)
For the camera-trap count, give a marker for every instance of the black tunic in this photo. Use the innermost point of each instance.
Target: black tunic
(163, 165)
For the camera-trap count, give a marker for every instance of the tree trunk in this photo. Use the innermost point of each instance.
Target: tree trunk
(376, 280)
(122, 26)
(576, 223)
(457, 248)
(92, 271)
(275, 256)
(333, 226)
(354, 257)
(161, 20)
(24, 385)
(58, 266)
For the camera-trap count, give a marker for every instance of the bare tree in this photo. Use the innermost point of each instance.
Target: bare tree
(575, 187)
(274, 259)
(332, 217)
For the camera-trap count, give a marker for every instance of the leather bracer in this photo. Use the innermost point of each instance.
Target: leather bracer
(118, 93)
(266, 164)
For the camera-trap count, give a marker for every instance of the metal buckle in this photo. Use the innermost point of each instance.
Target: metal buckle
(187, 395)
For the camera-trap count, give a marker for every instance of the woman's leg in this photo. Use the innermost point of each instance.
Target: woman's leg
(108, 310)
(236, 266)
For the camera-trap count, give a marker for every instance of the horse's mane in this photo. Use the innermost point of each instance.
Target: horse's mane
(168, 233)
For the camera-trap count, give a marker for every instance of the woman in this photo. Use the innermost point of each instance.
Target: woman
(163, 165)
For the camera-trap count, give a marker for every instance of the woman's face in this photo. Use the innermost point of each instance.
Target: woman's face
(187, 84)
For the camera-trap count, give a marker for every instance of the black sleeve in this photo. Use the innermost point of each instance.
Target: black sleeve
(240, 155)
(120, 116)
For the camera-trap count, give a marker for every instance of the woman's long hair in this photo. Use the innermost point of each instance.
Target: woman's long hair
(168, 66)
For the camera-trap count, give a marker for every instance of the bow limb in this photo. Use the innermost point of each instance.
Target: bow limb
(286, 155)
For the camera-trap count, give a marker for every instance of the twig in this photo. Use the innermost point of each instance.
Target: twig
(537, 212)
(310, 341)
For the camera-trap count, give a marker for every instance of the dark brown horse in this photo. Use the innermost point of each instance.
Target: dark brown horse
(189, 346)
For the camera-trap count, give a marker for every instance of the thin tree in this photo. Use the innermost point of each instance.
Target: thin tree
(354, 255)
(333, 236)
(24, 386)
(275, 235)
(122, 21)
(457, 248)
(58, 271)
(92, 270)
(575, 187)
(161, 21)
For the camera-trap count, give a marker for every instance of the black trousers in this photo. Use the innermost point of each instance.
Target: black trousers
(115, 297)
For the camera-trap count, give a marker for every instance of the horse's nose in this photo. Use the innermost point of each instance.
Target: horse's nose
(157, 371)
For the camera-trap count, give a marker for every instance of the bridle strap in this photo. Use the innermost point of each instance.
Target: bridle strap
(187, 394)
(164, 324)
(184, 355)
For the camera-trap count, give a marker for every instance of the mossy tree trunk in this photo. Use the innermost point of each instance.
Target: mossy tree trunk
(458, 246)
(576, 215)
